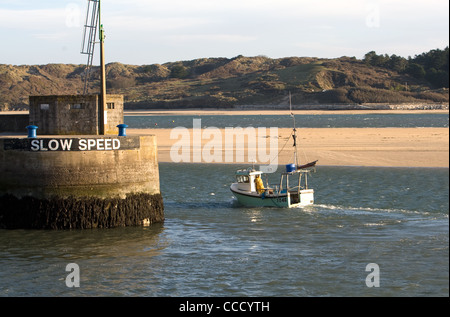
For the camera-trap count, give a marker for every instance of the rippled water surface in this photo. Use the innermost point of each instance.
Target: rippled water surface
(210, 246)
(373, 120)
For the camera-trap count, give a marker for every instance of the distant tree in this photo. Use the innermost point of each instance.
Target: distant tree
(436, 66)
(432, 66)
(415, 70)
(437, 59)
(373, 59)
(368, 57)
(397, 63)
(438, 78)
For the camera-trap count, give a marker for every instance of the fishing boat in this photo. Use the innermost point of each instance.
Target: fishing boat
(291, 191)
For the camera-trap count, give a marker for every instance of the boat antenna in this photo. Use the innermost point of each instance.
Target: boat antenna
(294, 135)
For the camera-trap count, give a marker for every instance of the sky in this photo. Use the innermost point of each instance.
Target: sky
(143, 32)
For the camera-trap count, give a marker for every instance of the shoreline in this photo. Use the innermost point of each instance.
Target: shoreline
(218, 111)
(382, 147)
(199, 112)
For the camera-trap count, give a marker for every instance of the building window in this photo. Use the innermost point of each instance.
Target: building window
(77, 106)
(45, 106)
(110, 105)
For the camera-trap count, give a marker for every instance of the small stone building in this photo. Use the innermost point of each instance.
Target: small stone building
(76, 114)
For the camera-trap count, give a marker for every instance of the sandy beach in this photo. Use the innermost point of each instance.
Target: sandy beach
(396, 147)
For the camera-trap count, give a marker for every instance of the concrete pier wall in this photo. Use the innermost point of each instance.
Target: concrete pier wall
(57, 182)
(14, 123)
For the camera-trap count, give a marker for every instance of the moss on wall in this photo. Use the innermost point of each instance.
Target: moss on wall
(81, 212)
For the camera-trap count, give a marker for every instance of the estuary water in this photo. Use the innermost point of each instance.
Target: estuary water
(368, 224)
(370, 120)
(396, 218)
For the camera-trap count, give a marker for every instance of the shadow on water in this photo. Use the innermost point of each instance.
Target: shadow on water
(80, 244)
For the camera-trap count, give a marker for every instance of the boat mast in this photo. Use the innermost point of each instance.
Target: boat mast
(294, 136)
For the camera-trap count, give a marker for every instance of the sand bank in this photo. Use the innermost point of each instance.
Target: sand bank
(408, 147)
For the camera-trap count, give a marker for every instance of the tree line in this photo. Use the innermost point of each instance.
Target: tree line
(432, 66)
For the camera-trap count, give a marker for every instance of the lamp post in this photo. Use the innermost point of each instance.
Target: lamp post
(102, 110)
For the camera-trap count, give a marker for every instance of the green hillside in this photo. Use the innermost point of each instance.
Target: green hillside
(242, 81)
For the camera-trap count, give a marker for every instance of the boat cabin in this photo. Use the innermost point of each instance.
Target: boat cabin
(246, 179)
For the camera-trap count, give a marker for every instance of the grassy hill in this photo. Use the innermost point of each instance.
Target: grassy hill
(224, 83)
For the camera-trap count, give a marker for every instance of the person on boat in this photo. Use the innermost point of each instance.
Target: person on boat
(259, 185)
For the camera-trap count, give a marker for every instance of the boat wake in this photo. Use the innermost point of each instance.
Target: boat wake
(371, 210)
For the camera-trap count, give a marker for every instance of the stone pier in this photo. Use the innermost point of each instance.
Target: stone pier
(69, 181)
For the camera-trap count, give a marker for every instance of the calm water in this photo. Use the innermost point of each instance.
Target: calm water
(209, 246)
(304, 121)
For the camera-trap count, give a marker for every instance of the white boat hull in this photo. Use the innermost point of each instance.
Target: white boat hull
(283, 200)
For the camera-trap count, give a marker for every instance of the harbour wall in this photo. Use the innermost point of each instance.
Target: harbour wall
(79, 182)
(14, 122)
